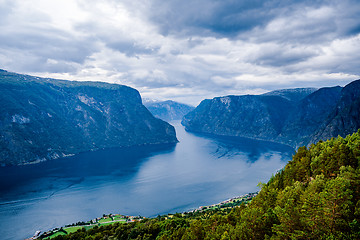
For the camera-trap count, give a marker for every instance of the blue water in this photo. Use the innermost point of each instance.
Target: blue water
(147, 181)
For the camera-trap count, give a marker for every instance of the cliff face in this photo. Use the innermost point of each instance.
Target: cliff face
(344, 119)
(246, 116)
(294, 117)
(168, 110)
(307, 116)
(45, 119)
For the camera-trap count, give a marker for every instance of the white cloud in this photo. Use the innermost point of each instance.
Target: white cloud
(120, 42)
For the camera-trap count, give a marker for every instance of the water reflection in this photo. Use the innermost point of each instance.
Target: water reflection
(145, 181)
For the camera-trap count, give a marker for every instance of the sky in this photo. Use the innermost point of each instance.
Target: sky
(184, 50)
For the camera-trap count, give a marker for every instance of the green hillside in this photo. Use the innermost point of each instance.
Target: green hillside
(316, 196)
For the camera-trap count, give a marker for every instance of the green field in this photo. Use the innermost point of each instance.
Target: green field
(109, 223)
(73, 229)
(104, 220)
(55, 235)
(118, 218)
(101, 222)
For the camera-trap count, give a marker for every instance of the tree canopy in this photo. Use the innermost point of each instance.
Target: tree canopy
(315, 196)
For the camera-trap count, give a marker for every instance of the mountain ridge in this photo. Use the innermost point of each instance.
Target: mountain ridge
(291, 94)
(344, 118)
(289, 116)
(46, 118)
(168, 110)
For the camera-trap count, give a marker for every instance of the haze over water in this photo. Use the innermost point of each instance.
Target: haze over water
(145, 181)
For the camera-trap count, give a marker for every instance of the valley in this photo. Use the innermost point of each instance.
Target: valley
(134, 120)
(74, 150)
(146, 181)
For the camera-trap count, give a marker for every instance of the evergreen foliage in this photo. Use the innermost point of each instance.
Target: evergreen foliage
(316, 196)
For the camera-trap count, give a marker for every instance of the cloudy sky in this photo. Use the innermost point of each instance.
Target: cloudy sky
(184, 50)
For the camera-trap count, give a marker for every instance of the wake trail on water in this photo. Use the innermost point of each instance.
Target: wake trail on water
(27, 201)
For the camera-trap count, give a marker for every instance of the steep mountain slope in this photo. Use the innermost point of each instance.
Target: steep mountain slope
(246, 116)
(168, 110)
(45, 119)
(308, 115)
(294, 117)
(345, 118)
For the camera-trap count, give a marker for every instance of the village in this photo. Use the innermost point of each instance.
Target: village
(101, 221)
(232, 202)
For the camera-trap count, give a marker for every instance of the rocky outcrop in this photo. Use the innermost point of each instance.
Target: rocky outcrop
(168, 110)
(44, 119)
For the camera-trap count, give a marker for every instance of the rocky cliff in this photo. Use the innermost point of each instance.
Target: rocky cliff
(43, 119)
(307, 116)
(292, 116)
(168, 110)
(344, 119)
(259, 117)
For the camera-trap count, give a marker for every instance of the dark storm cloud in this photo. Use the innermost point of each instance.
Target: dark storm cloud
(205, 17)
(229, 18)
(217, 17)
(309, 24)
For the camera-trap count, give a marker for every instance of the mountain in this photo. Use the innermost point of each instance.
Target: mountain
(345, 117)
(308, 115)
(292, 94)
(168, 110)
(290, 116)
(253, 116)
(315, 196)
(45, 119)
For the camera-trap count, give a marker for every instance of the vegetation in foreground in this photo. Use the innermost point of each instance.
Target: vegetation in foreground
(316, 196)
(97, 222)
(117, 218)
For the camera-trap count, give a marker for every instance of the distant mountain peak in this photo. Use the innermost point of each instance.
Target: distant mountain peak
(168, 110)
(150, 100)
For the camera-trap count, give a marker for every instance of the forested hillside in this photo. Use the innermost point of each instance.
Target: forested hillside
(316, 196)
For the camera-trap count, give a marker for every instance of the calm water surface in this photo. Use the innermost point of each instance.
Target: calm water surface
(145, 181)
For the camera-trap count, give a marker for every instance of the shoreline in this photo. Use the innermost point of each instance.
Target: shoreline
(65, 156)
(119, 218)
